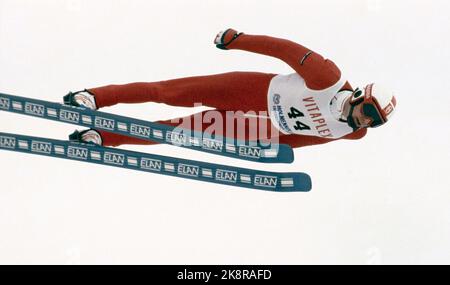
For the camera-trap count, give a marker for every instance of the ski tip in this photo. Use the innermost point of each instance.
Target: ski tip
(281, 153)
(304, 182)
(296, 182)
(286, 153)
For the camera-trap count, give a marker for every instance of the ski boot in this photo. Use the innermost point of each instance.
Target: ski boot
(86, 136)
(81, 99)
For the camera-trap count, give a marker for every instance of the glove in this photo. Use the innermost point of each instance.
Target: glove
(224, 38)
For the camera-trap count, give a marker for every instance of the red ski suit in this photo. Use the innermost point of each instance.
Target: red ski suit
(245, 91)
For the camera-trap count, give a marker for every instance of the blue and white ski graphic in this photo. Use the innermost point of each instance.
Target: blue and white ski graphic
(208, 172)
(274, 153)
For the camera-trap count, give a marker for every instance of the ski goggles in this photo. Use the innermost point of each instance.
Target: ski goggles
(370, 107)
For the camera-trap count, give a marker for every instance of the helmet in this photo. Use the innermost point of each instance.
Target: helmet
(377, 102)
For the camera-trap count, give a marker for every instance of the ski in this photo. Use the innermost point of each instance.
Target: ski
(158, 164)
(272, 153)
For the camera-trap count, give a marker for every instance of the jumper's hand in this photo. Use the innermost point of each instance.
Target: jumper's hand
(224, 38)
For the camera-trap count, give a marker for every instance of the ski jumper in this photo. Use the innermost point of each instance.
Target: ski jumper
(251, 91)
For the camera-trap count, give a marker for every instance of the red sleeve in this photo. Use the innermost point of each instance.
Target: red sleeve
(301, 141)
(319, 73)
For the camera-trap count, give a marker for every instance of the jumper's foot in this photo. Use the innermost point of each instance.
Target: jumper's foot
(86, 136)
(81, 99)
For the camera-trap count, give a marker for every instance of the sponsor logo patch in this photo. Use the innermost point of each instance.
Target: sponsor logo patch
(249, 151)
(34, 109)
(151, 164)
(114, 158)
(176, 138)
(226, 175)
(389, 108)
(213, 145)
(69, 116)
(7, 142)
(104, 123)
(41, 147)
(188, 170)
(265, 181)
(276, 98)
(77, 152)
(139, 130)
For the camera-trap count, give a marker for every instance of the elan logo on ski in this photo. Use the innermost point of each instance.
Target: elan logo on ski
(69, 116)
(4, 103)
(7, 142)
(34, 109)
(212, 144)
(151, 164)
(176, 138)
(104, 123)
(265, 181)
(249, 151)
(226, 175)
(77, 152)
(41, 147)
(188, 170)
(114, 158)
(139, 130)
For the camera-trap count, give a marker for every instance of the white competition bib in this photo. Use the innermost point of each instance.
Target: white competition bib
(296, 109)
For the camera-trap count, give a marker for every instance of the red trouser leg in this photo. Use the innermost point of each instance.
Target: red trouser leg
(234, 91)
(228, 91)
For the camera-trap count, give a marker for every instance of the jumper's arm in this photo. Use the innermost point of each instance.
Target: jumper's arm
(319, 73)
